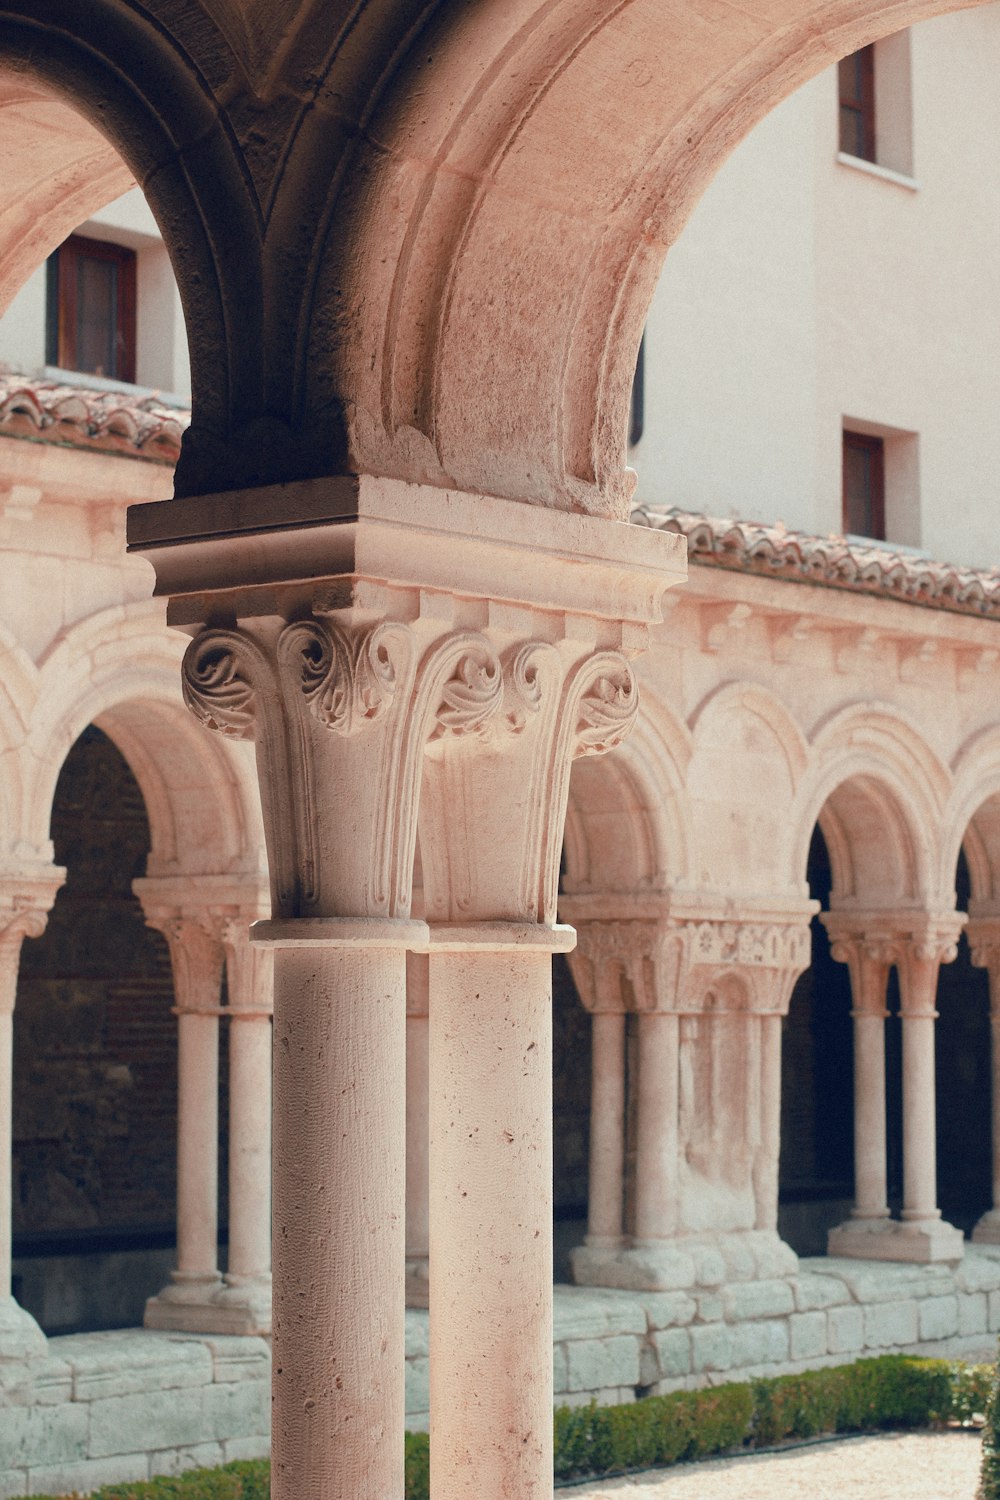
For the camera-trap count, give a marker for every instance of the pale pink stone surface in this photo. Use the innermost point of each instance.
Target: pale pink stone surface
(917, 1465)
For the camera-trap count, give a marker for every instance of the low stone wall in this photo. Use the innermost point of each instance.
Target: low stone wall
(107, 1407)
(101, 1408)
(616, 1346)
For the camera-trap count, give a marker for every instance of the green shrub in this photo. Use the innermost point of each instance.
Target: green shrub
(989, 1473)
(416, 1466)
(889, 1391)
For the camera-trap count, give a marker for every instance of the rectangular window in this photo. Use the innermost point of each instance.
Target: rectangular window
(864, 486)
(91, 308)
(857, 104)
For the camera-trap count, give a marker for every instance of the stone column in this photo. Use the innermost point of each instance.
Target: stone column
(709, 991)
(922, 1232)
(917, 943)
(244, 1303)
(598, 967)
(869, 960)
(196, 959)
(984, 943)
(25, 901)
(417, 1128)
(367, 620)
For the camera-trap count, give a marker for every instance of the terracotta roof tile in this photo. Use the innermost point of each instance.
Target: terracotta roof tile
(831, 562)
(112, 421)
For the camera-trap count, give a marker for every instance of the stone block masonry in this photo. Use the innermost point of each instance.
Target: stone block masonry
(102, 1408)
(105, 1408)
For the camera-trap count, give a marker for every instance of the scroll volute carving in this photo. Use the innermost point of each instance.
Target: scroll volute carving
(326, 703)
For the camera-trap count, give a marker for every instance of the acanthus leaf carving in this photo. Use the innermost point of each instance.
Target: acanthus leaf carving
(347, 679)
(472, 696)
(608, 710)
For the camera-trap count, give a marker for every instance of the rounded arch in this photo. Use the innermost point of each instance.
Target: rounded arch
(878, 792)
(972, 820)
(103, 95)
(120, 670)
(627, 816)
(535, 162)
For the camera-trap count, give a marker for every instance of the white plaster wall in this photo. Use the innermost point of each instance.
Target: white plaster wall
(805, 291)
(161, 340)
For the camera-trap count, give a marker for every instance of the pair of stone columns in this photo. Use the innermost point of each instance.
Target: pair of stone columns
(26, 898)
(707, 990)
(917, 944)
(206, 922)
(389, 648)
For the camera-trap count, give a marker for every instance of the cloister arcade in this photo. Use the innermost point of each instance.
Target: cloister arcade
(407, 576)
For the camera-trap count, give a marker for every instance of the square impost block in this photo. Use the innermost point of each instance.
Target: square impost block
(316, 542)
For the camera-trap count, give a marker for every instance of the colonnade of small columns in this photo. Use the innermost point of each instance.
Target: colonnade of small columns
(916, 944)
(704, 991)
(206, 923)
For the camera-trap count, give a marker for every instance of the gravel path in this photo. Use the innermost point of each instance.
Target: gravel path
(890, 1466)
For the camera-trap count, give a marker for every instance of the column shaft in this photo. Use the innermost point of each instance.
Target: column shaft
(769, 1149)
(870, 1195)
(338, 1236)
(657, 1129)
(417, 1129)
(249, 1147)
(607, 1130)
(919, 1118)
(197, 1147)
(491, 1225)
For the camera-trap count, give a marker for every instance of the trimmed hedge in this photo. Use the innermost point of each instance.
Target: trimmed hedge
(989, 1473)
(892, 1390)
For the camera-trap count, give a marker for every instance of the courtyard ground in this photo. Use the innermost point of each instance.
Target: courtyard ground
(888, 1466)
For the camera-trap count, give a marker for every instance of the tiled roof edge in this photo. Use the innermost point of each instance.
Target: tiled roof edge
(76, 416)
(829, 562)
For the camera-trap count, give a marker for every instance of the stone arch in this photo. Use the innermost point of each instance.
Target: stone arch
(878, 792)
(627, 816)
(120, 670)
(378, 222)
(972, 821)
(518, 229)
(750, 757)
(97, 97)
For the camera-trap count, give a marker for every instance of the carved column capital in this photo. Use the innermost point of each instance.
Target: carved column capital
(26, 898)
(669, 952)
(741, 957)
(983, 933)
(915, 942)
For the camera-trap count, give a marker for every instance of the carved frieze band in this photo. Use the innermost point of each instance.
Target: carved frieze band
(689, 964)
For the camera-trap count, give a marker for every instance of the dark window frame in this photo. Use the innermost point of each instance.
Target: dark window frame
(874, 449)
(62, 308)
(856, 94)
